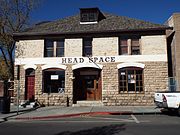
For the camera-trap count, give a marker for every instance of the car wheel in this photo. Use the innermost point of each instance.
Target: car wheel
(178, 111)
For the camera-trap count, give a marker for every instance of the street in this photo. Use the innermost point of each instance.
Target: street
(96, 125)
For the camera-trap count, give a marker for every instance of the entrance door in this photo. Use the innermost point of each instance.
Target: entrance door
(30, 83)
(87, 85)
(91, 87)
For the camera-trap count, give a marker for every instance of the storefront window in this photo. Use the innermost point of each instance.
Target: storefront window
(131, 79)
(54, 81)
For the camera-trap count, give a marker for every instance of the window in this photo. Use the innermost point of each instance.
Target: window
(54, 81)
(135, 48)
(129, 45)
(49, 48)
(54, 48)
(123, 47)
(89, 16)
(87, 47)
(60, 48)
(131, 80)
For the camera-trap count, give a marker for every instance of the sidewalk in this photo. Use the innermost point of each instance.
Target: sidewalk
(59, 111)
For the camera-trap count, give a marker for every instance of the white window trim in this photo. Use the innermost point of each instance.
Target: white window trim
(129, 64)
(89, 22)
(83, 65)
(30, 66)
(53, 66)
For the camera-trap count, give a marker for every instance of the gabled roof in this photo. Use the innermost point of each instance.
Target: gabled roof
(112, 23)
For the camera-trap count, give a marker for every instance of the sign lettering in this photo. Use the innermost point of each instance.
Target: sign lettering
(90, 60)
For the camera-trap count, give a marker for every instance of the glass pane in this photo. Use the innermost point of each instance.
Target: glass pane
(87, 46)
(60, 43)
(134, 42)
(60, 52)
(123, 50)
(30, 71)
(49, 53)
(48, 43)
(92, 17)
(138, 71)
(121, 83)
(54, 81)
(141, 89)
(130, 72)
(123, 47)
(135, 51)
(137, 83)
(90, 83)
(141, 83)
(122, 77)
(48, 48)
(123, 42)
(121, 88)
(84, 17)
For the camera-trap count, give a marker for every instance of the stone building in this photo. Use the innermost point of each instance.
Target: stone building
(93, 58)
(173, 42)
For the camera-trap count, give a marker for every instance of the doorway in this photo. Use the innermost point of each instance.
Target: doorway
(87, 85)
(29, 86)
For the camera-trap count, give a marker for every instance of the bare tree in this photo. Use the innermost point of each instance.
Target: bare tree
(14, 17)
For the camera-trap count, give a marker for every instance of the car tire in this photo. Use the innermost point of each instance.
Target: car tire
(178, 111)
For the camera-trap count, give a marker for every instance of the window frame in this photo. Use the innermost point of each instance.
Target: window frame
(45, 84)
(61, 47)
(89, 16)
(135, 46)
(54, 47)
(123, 46)
(46, 48)
(130, 46)
(85, 47)
(138, 78)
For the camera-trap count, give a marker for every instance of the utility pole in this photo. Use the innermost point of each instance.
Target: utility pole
(18, 89)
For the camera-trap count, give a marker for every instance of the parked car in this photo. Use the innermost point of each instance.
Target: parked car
(168, 100)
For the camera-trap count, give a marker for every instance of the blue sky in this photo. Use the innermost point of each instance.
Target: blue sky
(157, 11)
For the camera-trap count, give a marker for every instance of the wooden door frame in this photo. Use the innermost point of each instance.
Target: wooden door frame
(26, 84)
(76, 74)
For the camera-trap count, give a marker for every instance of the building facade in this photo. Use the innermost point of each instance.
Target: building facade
(173, 42)
(92, 59)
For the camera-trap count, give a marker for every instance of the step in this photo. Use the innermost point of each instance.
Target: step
(88, 103)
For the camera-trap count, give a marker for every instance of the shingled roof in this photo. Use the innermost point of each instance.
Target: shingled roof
(112, 23)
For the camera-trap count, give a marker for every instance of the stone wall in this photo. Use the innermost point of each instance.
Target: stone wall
(174, 21)
(153, 45)
(29, 49)
(105, 46)
(21, 82)
(73, 47)
(155, 79)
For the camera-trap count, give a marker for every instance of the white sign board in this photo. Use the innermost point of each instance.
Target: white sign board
(54, 77)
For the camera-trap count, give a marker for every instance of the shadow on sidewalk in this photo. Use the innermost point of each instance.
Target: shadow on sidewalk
(14, 113)
(105, 130)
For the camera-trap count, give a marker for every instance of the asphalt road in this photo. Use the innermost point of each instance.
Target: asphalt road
(96, 125)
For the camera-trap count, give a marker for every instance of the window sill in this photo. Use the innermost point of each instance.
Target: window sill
(131, 92)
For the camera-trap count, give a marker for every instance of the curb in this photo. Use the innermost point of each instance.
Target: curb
(84, 114)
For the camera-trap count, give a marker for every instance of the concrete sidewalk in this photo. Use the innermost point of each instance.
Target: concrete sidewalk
(51, 112)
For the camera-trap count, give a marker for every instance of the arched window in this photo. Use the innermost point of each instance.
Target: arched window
(131, 80)
(53, 80)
